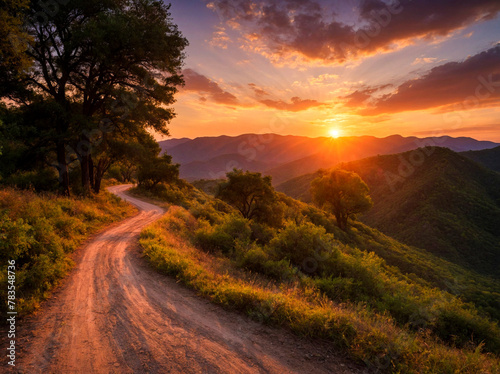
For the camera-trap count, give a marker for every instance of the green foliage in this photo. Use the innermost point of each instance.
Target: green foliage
(445, 203)
(310, 253)
(40, 180)
(297, 301)
(39, 232)
(252, 195)
(13, 43)
(223, 237)
(159, 170)
(306, 246)
(102, 74)
(343, 193)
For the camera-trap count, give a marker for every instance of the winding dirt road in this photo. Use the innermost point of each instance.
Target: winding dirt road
(114, 314)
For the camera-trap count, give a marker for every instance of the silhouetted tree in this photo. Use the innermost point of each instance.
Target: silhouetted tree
(343, 193)
(108, 66)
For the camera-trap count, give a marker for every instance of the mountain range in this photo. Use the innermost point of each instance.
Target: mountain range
(285, 157)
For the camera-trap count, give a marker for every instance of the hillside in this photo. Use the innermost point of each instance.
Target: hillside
(448, 205)
(40, 231)
(285, 157)
(387, 305)
(489, 158)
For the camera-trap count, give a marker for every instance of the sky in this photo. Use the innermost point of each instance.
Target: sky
(339, 68)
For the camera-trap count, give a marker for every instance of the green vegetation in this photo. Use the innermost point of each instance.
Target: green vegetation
(489, 158)
(343, 193)
(253, 196)
(83, 86)
(431, 198)
(40, 232)
(427, 209)
(318, 280)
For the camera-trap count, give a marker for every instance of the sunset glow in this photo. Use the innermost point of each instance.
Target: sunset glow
(334, 133)
(255, 70)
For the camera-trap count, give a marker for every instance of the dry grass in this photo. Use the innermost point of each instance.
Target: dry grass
(40, 231)
(368, 336)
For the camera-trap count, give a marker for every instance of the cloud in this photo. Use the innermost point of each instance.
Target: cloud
(220, 38)
(287, 30)
(296, 104)
(361, 96)
(463, 85)
(259, 92)
(196, 82)
(423, 60)
(323, 79)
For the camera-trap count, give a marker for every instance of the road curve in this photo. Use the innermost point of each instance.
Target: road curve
(114, 314)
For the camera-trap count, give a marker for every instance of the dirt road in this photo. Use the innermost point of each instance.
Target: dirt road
(114, 314)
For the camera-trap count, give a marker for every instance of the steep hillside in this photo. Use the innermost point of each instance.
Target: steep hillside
(284, 157)
(368, 294)
(444, 203)
(489, 158)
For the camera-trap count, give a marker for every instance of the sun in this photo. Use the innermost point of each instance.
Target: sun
(334, 133)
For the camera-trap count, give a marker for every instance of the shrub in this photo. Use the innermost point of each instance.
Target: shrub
(305, 246)
(223, 237)
(39, 231)
(339, 289)
(40, 180)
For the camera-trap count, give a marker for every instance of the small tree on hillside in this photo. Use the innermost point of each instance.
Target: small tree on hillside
(250, 193)
(343, 193)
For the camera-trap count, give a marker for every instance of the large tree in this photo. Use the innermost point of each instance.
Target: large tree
(343, 193)
(250, 193)
(109, 66)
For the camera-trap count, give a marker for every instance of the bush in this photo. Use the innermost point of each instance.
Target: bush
(305, 246)
(39, 180)
(39, 232)
(461, 326)
(339, 289)
(223, 237)
(262, 234)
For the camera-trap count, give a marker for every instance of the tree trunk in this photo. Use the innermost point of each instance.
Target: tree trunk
(62, 168)
(100, 169)
(97, 184)
(83, 151)
(341, 221)
(91, 171)
(84, 165)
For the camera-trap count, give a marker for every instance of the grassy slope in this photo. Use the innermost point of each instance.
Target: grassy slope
(243, 276)
(428, 210)
(448, 205)
(40, 231)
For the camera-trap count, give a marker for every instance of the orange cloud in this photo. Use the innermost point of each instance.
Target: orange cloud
(465, 85)
(196, 82)
(296, 104)
(259, 92)
(286, 29)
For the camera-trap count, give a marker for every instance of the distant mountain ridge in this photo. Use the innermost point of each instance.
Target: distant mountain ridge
(286, 156)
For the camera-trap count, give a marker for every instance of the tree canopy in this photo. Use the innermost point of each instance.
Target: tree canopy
(250, 193)
(100, 68)
(343, 193)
